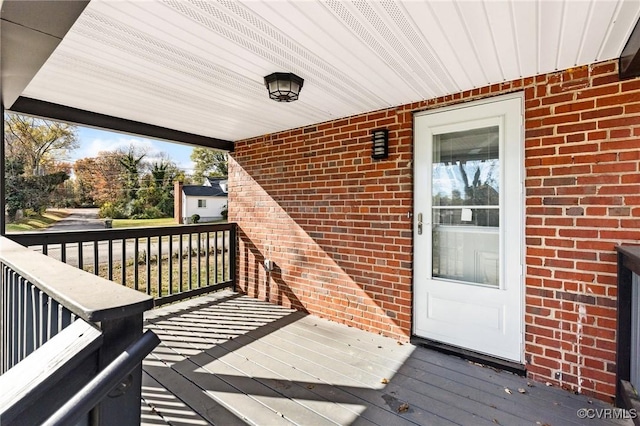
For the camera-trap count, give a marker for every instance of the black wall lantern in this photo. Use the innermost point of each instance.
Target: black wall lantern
(283, 86)
(380, 144)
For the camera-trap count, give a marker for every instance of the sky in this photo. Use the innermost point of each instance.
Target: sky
(92, 141)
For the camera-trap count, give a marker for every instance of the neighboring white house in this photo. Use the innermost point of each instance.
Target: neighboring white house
(207, 200)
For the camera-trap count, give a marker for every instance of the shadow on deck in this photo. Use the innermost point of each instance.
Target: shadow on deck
(227, 359)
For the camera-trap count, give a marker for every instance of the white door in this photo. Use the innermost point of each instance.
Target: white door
(468, 227)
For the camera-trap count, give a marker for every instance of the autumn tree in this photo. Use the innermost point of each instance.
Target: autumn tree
(208, 162)
(100, 178)
(124, 185)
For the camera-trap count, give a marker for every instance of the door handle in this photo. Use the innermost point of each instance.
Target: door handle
(419, 223)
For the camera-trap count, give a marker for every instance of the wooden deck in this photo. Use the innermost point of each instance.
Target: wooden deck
(227, 359)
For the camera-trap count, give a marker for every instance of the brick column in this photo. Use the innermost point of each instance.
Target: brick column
(177, 202)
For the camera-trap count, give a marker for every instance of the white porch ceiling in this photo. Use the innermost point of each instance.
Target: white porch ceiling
(198, 65)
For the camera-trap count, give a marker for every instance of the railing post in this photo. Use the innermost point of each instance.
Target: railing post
(122, 407)
(233, 256)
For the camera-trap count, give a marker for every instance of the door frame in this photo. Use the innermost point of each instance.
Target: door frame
(469, 353)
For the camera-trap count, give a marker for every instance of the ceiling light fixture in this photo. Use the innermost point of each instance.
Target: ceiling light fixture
(283, 86)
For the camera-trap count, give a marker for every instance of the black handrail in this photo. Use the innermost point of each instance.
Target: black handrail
(105, 382)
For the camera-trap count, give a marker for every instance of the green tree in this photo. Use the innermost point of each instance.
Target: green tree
(131, 162)
(34, 192)
(155, 196)
(208, 162)
(34, 171)
(37, 143)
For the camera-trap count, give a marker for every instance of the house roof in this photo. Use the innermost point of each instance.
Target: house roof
(203, 191)
(215, 181)
(198, 67)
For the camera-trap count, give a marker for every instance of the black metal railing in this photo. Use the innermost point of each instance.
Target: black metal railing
(168, 263)
(628, 330)
(30, 318)
(43, 302)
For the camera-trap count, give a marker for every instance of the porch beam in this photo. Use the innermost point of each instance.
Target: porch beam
(92, 119)
(629, 61)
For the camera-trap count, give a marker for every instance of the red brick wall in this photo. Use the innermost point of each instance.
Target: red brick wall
(335, 221)
(583, 198)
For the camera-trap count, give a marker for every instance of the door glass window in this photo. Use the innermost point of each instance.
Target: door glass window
(465, 206)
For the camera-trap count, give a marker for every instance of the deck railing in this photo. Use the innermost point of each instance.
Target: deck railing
(43, 303)
(628, 330)
(30, 318)
(168, 263)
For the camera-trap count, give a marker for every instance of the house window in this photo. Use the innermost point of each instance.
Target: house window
(202, 203)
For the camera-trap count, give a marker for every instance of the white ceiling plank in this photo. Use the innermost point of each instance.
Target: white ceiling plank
(525, 23)
(442, 22)
(432, 35)
(432, 71)
(407, 65)
(602, 13)
(620, 29)
(478, 29)
(500, 19)
(550, 27)
(451, 24)
(372, 41)
(574, 25)
(198, 65)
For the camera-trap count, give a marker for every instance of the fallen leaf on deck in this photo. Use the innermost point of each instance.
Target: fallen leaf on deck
(384, 381)
(507, 390)
(402, 408)
(522, 390)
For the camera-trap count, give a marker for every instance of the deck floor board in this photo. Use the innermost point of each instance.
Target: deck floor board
(227, 359)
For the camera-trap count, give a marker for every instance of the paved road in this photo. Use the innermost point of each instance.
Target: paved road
(79, 219)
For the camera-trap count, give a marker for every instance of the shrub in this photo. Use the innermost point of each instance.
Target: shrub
(114, 211)
(225, 212)
(195, 218)
(152, 213)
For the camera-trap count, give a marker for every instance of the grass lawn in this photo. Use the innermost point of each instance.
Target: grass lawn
(165, 278)
(167, 221)
(36, 222)
(130, 223)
